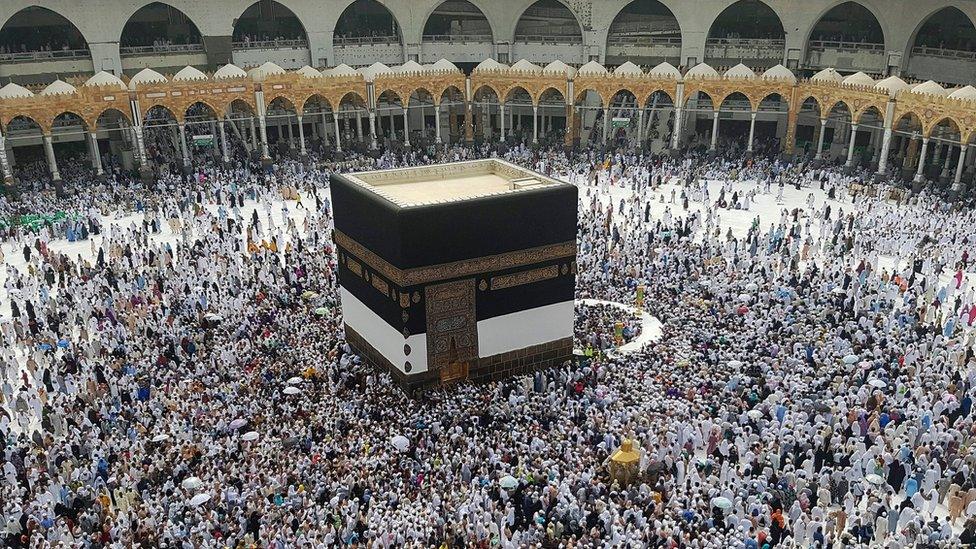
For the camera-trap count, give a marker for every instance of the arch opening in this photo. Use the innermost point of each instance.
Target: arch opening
(159, 28)
(457, 20)
(268, 24)
(367, 22)
(38, 33)
(548, 22)
(847, 37)
(645, 32)
(748, 32)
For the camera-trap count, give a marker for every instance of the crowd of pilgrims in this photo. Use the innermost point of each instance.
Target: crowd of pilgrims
(595, 326)
(181, 379)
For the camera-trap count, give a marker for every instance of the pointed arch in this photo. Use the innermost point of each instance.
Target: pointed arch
(644, 23)
(459, 20)
(35, 29)
(548, 21)
(157, 24)
(367, 21)
(947, 28)
(267, 20)
(848, 21)
(747, 19)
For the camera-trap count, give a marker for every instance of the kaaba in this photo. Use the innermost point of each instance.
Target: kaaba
(456, 271)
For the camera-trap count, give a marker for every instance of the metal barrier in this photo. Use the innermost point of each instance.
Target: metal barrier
(939, 52)
(271, 44)
(643, 40)
(44, 55)
(549, 39)
(166, 49)
(462, 38)
(359, 40)
(822, 45)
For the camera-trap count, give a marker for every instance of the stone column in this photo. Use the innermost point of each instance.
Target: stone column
(359, 126)
(183, 149)
(501, 120)
(264, 138)
(335, 120)
(437, 123)
(850, 146)
(957, 180)
(885, 148)
(606, 124)
(752, 129)
(640, 127)
(468, 126)
(301, 137)
(96, 158)
(5, 173)
(676, 134)
(223, 142)
(291, 136)
(52, 162)
(406, 129)
(535, 123)
(140, 144)
(920, 171)
(714, 131)
(372, 129)
(254, 134)
(820, 139)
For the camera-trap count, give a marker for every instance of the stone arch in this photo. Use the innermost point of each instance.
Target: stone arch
(747, 19)
(480, 87)
(523, 27)
(285, 22)
(929, 129)
(859, 114)
(649, 95)
(22, 28)
(53, 123)
(735, 95)
(93, 122)
(847, 108)
(580, 95)
(943, 14)
(308, 98)
(434, 23)
(453, 93)
(695, 94)
(153, 110)
(360, 17)
(214, 111)
(142, 29)
(843, 10)
(644, 16)
(12, 117)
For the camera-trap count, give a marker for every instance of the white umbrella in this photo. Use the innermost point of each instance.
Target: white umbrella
(838, 290)
(294, 380)
(160, 438)
(745, 297)
(878, 383)
(508, 482)
(238, 423)
(213, 317)
(400, 442)
(199, 499)
(291, 390)
(735, 363)
(754, 414)
(850, 359)
(722, 503)
(249, 436)
(874, 479)
(192, 483)
(752, 287)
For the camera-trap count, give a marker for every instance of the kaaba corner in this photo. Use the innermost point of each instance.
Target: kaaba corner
(456, 271)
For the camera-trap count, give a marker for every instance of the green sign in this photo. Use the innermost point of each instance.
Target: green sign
(619, 122)
(203, 140)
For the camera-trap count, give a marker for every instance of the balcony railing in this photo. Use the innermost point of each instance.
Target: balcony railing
(549, 39)
(294, 44)
(360, 40)
(455, 38)
(160, 50)
(646, 41)
(939, 52)
(822, 45)
(44, 55)
(761, 48)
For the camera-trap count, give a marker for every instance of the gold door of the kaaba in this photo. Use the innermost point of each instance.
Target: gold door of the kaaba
(452, 328)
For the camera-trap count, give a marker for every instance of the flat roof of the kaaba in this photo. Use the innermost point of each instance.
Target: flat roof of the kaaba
(452, 182)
